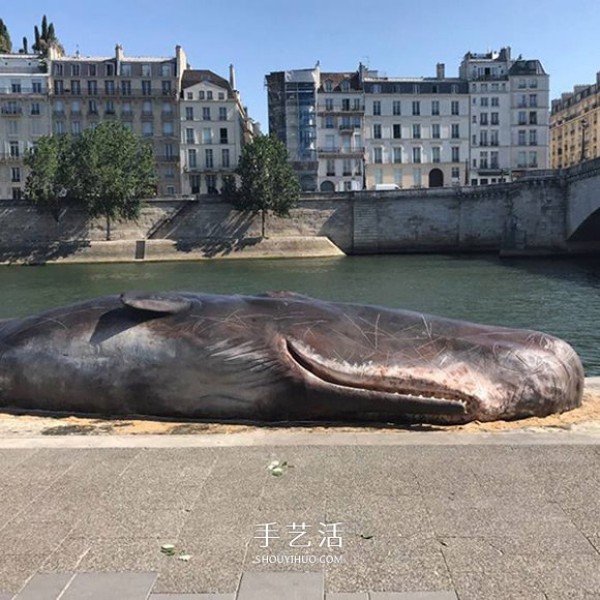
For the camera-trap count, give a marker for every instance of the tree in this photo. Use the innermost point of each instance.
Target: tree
(268, 183)
(46, 38)
(52, 176)
(5, 43)
(115, 170)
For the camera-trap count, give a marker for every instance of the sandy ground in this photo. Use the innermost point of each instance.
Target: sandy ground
(584, 418)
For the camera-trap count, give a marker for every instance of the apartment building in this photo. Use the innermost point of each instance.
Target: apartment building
(360, 129)
(574, 126)
(141, 92)
(509, 115)
(214, 127)
(24, 116)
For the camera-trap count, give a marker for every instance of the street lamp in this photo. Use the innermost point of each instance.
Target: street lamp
(584, 126)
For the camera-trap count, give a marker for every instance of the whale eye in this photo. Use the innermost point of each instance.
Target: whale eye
(160, 303)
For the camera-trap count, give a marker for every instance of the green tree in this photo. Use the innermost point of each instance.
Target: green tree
(46, 38)
(52, 177)
(5, 43)
(115, 170)
(268, 183)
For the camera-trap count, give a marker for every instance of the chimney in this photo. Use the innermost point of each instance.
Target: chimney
(440, 71)
(119, 52)
(232, 77)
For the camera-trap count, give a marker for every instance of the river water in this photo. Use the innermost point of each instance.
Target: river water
(557, 296)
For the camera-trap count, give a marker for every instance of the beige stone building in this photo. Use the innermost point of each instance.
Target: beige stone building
(214, 127)
(141, 92)
(24, 116)
(575, 126)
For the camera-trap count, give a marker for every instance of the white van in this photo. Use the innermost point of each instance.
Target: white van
(386, 187)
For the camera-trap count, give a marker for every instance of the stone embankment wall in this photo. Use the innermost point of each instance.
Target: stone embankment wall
(530, 216)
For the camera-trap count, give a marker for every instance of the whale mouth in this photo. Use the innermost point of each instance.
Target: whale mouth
(400, 396)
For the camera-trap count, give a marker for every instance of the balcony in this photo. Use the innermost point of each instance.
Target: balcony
(349, 127)
(342, 151)
(12, 111)
(10, 157)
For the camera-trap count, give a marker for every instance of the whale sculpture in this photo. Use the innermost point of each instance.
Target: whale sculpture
(278, 357)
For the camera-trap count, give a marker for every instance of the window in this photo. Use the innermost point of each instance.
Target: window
(494, 137)
(398, 177)
(495, 101)
(58, 86)
(483, 101)
(483, 160)
(201, 95)
(521, 160)
(189, 113)
(533, 137)
(397, 131)
(146, 70)
(192, 158)
(92, 87)
(435, 107)
(533, 100)
(58, 69)
(377, 131)
(330, 168)
(522, 117)
(417, 178)
(494, 164)
(222, 113)
(126, 70)
(15, 174)
(75, 70)
(225, 157)
(166, 88)
(345, 103)
(397, 155)
(356, 104)
(146, 87)
(347, 167)
(14, 149)
(208, 153)
(169, 151)
(109, 87)
(206, 113)
(59, 127)
(16, 193)
(495, 118)
(36, 87)
(35, 108)
(328, 103)
(209, 95)
(454, 107)
(147, 108)
(533, 159)
(207, 137)
(92, 70)
(522, 84)
(92, 107)
(329, 124)
(75, 127)
(377, 155)
(110, 70)
(483, 119)
(125, 88)
(455, 133)
(416, 131)
(455, 154)
(416, 152)
(110, 107)
(167, 128)
(13, 127)
(147, 129)
(435, 130)
(75, 87)
(416, 107)
(396, 107)
(455, 173)
(378, 176)
(533, 117)
(345, 85)
(436, 154)
(195, 184)
(376, 107)
(521, 137)
(166, 70)
(223, 137)
(189, 136)
(328, 85)
(189, 95)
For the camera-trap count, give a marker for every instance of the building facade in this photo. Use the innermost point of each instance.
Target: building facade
(357, 130)
(24, 116)
(214, 128)
(575, 126)
(142, 93)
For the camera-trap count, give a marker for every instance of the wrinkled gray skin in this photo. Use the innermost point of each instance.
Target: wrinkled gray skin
(278, 357)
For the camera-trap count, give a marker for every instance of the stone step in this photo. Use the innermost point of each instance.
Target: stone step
(276, 586)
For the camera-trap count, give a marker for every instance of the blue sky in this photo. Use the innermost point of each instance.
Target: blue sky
(397, 37)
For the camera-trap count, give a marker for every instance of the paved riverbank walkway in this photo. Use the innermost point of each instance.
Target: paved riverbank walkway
(428, 515)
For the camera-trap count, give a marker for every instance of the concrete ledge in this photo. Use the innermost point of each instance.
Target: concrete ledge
(120, 251)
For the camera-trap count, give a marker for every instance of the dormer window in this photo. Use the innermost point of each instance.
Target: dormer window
(328, 85)
(345, 86)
